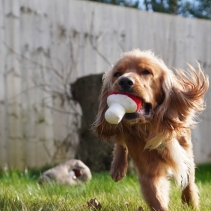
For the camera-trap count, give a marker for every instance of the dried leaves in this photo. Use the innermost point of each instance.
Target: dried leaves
(93, 203)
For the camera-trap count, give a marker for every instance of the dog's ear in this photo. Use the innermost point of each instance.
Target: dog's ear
(183, 98)
(182, 102)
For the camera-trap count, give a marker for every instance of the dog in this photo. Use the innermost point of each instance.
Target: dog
(158, 136)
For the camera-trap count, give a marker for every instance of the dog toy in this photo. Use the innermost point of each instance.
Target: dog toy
(119, 104)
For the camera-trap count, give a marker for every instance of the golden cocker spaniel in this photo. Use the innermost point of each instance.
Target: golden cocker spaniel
(158, 136)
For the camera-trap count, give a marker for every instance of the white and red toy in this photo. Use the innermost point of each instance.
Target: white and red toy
(119, 104)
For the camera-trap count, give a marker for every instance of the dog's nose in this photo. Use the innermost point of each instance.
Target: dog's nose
(126, 83)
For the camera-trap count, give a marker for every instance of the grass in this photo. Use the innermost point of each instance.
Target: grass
(20, 191)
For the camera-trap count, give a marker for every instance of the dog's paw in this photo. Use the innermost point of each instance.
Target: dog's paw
(117, 174)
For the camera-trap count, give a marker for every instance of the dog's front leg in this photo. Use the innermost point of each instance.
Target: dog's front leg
(119, 164)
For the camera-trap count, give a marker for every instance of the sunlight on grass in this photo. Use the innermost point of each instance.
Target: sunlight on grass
(20, 191)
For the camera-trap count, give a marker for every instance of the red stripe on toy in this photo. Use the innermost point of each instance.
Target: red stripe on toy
(137, 100)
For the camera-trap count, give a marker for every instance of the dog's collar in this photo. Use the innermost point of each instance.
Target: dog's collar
(161, 146)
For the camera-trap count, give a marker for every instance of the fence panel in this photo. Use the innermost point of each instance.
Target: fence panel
(46, 45)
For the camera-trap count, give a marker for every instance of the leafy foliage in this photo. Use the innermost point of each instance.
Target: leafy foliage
(186, 8)
(125, 3)
(197, 8)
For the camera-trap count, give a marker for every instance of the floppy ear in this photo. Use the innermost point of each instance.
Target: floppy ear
(101, 127)
(183, 98)
(182, 102)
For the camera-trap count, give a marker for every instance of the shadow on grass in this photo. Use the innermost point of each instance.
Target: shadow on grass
(32, 174)
(203, 173)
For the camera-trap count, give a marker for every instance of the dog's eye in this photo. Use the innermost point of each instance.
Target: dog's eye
(145, 72)
(117, 74)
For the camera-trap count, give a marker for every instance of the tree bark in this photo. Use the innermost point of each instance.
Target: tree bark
(96, 154)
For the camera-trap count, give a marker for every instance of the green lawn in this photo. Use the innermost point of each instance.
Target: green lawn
(20, 191)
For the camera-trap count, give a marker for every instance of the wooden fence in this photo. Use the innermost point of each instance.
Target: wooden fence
(47, 44)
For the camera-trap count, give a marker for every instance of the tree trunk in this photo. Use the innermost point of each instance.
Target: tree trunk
(96, 154)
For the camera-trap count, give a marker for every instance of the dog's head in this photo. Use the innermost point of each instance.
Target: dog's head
(140, 74)
(169, 101)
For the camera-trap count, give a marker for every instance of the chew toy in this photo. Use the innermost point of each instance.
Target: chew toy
(119, 104)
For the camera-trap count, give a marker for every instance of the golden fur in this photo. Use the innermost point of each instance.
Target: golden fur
(157, 137)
